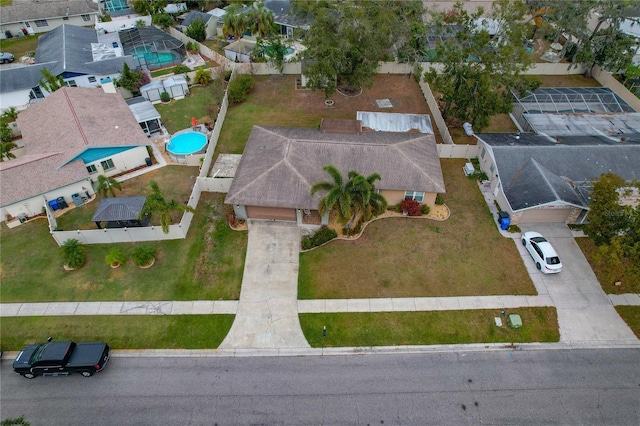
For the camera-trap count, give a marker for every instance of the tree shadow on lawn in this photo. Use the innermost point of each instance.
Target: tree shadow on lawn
(462, 256)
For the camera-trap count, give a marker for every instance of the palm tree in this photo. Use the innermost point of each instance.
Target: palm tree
(261, 20)
(338, 194)
(366, 200)
(5, 150)
(108, 185)
(10, 114)
(50, 82)
(234, 21)
(157, 204)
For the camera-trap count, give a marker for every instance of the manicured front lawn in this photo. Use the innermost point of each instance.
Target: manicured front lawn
(130, 332)
(207, 265)
(631, 315)
(428, 328)
(404, 257)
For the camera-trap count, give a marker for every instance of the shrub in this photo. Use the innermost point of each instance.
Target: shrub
(240, 87)
(411, 207)
(227, 75)
(181, 69)
(73, 253)
(164, 97)
(143, 255)
(202, 77)
(115, 257)
(439, 200)
(320, 237)
(425, 209)
(192, 46)
(515, 229)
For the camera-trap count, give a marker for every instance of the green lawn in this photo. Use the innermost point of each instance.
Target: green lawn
(427, 328)
(401, 257)
(207, 265)
(631, 315)
(177, 114)
(19, 46)
(132, 332)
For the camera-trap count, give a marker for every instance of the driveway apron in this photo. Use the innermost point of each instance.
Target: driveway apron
(267, 316)
(585, 313)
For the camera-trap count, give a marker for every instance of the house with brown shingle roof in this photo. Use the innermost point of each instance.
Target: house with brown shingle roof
(70, 138)
(279, 165)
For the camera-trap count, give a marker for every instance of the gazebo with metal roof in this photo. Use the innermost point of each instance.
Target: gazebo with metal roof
(120, 212)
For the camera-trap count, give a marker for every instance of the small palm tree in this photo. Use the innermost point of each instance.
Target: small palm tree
(73, 253)
(157, 204)
(10, 114)
(108, 185)
(338, 194)
(5, 150)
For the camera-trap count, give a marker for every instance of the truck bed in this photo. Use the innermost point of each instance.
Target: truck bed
(86, 354)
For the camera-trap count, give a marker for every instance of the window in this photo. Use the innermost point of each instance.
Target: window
(482, 153)
(492, 169)
(92, 79)
(86, 18)
(107, 164)
(71, 83)
(414, 195)
(41, 23)
(65, 18)
(92, 168)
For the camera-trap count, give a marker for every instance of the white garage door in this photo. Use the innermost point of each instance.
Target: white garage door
(545, 215)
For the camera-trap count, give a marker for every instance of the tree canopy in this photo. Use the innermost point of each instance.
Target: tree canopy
(107, 186)
(157, 204)
(197, 30)
(479, 68)
(132, 80)
(602, 43)
(50, 82)
(348, 39)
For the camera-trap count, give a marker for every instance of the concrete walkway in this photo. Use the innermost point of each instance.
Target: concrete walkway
(267, 316)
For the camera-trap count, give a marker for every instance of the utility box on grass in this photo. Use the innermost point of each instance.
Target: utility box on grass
(515, 321)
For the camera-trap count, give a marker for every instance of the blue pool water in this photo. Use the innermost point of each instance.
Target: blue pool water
(154, 59)
(187, 143)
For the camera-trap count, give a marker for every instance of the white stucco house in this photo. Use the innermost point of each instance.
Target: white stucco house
(70, 138)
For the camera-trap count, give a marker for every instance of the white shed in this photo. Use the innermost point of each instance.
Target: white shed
(176, 86)
(152, 91)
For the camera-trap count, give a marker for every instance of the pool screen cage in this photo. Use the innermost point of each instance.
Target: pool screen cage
(160, 49)
(567, 100)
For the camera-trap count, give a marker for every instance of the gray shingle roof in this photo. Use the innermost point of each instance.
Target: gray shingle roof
(195, 14)
(537, 170)
(28, 11)
(119, 208)
(66, 48)
(279, 165)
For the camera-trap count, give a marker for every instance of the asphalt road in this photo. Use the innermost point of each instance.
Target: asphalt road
(495, 387)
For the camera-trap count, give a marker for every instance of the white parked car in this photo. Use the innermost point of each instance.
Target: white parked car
(543, 254)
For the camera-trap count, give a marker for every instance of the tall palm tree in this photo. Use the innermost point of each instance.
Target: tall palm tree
(261, 20)
(157, 204)
(337, 194)
(108, 185)
(368, 201)
(234, 21)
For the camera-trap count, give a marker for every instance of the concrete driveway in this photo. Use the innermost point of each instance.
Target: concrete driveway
(267, 316)
(585, 313)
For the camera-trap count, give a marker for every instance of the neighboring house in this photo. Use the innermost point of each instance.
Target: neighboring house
(217, 20)
(279, 166)
(35, 16)
(286, 21)
(539, 178)
(70, 138)
(210, 23)
(68, 51)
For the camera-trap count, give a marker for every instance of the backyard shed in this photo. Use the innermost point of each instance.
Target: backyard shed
(176, 86)
(152, 91)
(120, 212)
(146, 115)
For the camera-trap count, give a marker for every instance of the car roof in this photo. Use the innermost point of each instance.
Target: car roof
(547, 249)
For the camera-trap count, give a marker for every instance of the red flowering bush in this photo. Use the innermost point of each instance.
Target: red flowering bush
(411, 207)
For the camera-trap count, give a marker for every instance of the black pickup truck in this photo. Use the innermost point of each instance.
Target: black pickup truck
(61, 359)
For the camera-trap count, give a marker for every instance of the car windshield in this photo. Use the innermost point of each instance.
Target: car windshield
(538, 240)
(553, 260)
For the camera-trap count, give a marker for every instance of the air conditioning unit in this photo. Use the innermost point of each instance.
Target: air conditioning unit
(469, 169)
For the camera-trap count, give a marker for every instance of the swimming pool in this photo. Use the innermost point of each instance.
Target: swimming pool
(155, 59)
(186, 143)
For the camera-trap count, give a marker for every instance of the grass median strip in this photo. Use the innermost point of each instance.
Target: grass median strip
(130, 332)
(428, 328)
(631, 315)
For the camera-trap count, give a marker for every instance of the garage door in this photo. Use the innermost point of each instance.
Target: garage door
(276, 213)
(545, 215)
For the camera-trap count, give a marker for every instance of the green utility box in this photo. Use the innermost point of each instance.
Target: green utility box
(515, 321)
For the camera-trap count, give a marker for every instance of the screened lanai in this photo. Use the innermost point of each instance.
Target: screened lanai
(151, 47)
(567, 100)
